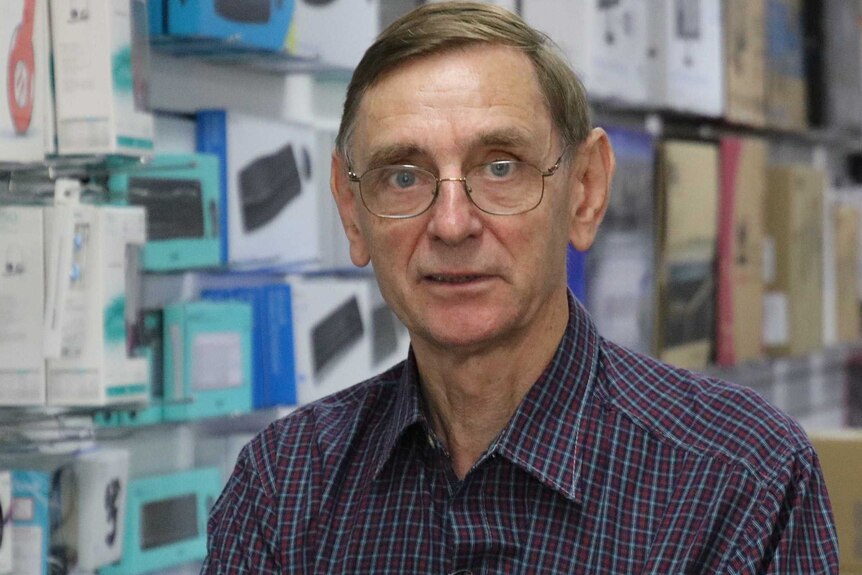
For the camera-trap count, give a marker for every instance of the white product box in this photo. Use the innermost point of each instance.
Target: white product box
(94, 367)
(26, 111)
(330, 333)
(101, 77)
(355, 23)
(272, 187)
(570, 24)
(22, 300)
(6, 542)
(619, 48)
(686, 66)
(95, 488)
(334, 247)
(390, 340)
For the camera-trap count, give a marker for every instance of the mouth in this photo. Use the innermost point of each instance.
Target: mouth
(455, 278)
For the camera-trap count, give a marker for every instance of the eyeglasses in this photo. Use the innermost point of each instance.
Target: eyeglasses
(501, 188)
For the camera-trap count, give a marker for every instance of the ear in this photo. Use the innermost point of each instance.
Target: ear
(347, 200)
(593, 172)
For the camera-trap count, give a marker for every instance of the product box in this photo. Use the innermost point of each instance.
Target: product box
(571, 24)
(274, 374)
(739, 311)
(31, 522)
(786, 91)
(22, 301)
(166, 521)
(208, 359)
(261, 24)
(355, 23)
(26, 109)
(101, 77)
(269, 187)
(793, 266)
(688, 218)
(832, 29)
(182, 196)
(6, 537)
(99, 304)
(845, 223)
(685, 64)
(840, 455)
(620, 266)
(390, 340)
(334, 247)
(620, 51)
(91, 502)
(330, 334)
(744, 61)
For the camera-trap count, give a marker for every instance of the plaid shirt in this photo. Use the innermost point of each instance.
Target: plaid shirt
(613, 463)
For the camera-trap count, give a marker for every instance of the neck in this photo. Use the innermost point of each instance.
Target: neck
(472, 396)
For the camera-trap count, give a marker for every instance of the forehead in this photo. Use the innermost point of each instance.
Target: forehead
(455, 101)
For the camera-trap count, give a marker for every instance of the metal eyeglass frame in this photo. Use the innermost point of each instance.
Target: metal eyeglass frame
(357, 178)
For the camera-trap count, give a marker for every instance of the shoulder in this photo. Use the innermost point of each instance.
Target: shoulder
(708, 416)
(319, 435)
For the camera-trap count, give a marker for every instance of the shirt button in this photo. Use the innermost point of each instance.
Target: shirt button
(462, 572)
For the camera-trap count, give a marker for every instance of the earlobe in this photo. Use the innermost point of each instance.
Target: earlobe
(595, 166)
(347, 201)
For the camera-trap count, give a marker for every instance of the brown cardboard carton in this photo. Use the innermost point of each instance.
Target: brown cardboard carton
(745, 66)
(739, 313)
(840, 454)
(688, 207)
(846, 224)
(793, 216)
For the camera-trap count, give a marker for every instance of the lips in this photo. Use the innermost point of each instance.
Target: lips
(455, 279)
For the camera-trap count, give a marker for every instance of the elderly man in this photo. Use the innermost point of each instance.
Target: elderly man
(513, 439)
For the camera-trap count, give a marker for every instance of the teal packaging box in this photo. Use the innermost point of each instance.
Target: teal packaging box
(166, 519)
(207, 363)
(182, 196)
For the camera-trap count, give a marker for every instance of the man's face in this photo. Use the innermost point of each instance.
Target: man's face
(456, 276)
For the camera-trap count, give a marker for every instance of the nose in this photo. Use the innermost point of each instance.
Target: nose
(454, 218)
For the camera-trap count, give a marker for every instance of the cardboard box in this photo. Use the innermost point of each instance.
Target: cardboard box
(620, 265)
(257, 23)
(740, 251)
(182, 196)
(330, 334)
(793, 315)
(22, 301)
(270, 175)
(31, 521)
(786, 90)
(744, 62)
(688, 218)
(619, 52)
(685, 65)
(100, 302)
(840, 455)
(834, 28)
(26, 108)
(101, 77)
(208, 359)
(571, 24)
(845, 220)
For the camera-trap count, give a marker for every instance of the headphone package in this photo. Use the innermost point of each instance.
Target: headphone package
(101, 76)
(26, 110)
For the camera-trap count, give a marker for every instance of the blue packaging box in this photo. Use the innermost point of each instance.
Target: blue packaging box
(261, 24)
(274, 381)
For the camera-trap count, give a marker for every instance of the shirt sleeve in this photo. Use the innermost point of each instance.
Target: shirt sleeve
(241, 533)
(803, 530)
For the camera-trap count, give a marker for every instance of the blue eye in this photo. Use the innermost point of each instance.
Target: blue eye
(404, 179)
(499, 169)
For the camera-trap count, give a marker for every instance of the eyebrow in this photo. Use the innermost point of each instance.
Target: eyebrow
(400, 153)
